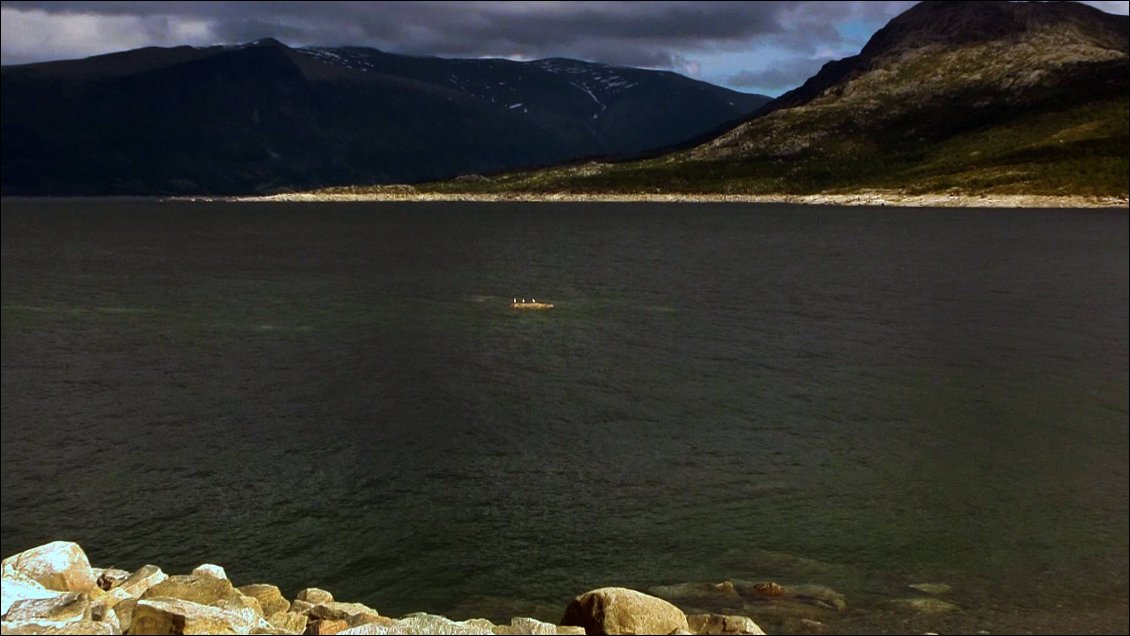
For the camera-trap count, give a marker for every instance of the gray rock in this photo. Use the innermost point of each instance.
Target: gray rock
(618, 610)
(59, 565)
(66, 608)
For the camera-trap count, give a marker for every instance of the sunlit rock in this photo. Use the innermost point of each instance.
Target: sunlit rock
(331, 626)
(288, 621)
(301, 606)
(314, 595)
(66, 608)
(53, 627)
(141, 580)
(202, 589)
(422, 623)
(353, 613)
(522, 625)
(16, 588)
(124, 612)
(165, 615)
(59, 565)
(617, 610)
(269, 596)
(211, 569)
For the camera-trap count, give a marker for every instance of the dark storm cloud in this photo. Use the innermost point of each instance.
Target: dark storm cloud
(651, 33)
(764, 46)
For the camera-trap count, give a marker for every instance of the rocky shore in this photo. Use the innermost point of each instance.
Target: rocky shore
(53, 589)
(875, 198)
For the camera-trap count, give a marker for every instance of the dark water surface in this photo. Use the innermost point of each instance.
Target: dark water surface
(337, 395)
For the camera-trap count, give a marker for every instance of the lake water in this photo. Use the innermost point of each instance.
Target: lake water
(338, 395)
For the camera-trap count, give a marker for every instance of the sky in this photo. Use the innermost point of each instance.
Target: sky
(758, 47)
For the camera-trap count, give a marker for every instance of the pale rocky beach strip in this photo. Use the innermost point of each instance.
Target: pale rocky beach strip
(53, 589)
(870, 198)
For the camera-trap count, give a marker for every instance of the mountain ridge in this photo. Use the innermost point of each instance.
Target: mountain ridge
(228, 119)
(1023, 98)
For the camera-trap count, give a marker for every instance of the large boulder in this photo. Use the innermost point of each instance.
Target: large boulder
(164, 615)
(65, 608)
(59, 565)
(198, 588)
(270, 597)
(18, 588)
(618, 610)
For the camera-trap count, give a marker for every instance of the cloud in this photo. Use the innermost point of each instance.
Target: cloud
(618, 32)
(715, 39)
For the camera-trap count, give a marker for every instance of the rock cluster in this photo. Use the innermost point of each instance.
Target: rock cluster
(52, 589)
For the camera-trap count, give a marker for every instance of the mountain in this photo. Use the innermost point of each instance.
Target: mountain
(265, 117)
(1002, 97)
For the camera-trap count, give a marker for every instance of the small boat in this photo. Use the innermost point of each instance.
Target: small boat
(529, 304)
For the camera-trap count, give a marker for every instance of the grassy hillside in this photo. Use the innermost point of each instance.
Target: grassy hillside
(1083, 150)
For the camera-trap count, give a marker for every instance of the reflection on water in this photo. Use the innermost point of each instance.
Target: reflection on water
(338, 395)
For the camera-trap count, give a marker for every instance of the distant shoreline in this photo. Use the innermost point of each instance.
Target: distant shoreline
(860, 199)
(893, 199)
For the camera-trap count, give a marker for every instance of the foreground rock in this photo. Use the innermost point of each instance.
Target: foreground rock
(618, 610)
(53, 590)
(163, 615)
(59, 565)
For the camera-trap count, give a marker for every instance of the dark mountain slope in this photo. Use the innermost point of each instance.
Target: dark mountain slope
(263, 117)
(1032, 95)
